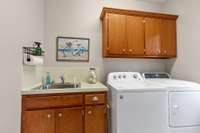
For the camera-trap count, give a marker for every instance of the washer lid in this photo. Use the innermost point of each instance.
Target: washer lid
(140, 85)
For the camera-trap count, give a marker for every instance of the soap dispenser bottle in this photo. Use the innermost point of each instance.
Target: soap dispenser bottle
(38, 49)
(49, 80)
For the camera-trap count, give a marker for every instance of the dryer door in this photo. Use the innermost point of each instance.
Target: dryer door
(184, 109)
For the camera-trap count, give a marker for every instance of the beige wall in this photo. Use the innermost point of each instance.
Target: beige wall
(77, 18)
(21, 22)
(187, 65)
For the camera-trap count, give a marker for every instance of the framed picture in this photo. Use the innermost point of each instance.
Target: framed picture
(72, 49)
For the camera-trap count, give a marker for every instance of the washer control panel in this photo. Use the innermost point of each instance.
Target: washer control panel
(156, 75)
(120, 76)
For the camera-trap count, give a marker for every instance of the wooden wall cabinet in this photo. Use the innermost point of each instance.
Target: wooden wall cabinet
(87, 114)
(136, 34)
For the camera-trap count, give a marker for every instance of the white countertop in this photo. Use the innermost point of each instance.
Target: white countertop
(85, 87)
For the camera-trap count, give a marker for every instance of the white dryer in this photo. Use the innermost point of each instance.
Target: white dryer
(183, 102)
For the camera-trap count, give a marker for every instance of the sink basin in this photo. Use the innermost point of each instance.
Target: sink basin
(65, 85)
(60, 86)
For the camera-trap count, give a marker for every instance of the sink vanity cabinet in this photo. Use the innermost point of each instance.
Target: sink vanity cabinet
(65, 113)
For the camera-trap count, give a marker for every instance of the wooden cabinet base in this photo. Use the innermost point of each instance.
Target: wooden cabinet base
(86, 114)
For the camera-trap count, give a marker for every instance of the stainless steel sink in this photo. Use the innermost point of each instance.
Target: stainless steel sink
(64, 86)
(67, 85)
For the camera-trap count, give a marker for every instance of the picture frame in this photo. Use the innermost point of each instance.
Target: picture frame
(72, 49)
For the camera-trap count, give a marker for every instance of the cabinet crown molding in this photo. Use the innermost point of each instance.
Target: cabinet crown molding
(136, 13)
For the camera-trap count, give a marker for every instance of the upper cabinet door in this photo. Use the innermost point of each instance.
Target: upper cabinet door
(135, 35)
(153, 36)
(116, 34)
(169, 38)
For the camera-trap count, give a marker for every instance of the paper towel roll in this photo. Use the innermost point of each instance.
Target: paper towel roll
(34, 60)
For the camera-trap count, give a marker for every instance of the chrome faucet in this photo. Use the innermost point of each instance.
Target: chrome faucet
(62, 78)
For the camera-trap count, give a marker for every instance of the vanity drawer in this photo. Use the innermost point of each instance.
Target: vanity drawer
(37, 102)
(96, 98)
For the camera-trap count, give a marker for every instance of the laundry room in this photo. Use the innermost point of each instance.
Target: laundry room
(103, 66)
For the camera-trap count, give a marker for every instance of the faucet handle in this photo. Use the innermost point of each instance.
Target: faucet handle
(61, 76)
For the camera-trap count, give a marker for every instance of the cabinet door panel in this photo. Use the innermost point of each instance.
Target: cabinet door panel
(41, 121)
(153, 36)
(95, 119)
(169, 37)
(116, 33)
(69, 120)
(135, 35)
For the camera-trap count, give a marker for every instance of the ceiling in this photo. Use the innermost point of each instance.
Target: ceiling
(159, 1)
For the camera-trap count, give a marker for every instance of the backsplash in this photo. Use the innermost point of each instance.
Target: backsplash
(33, 75)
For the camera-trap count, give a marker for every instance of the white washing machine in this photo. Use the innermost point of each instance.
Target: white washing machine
(138, 106)
(149, 106)
(184, 102)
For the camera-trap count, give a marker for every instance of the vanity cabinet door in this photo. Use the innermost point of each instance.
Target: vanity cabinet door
(95, 119)
(69, 120)
(40, 121)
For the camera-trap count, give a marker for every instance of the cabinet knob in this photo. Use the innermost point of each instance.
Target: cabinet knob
(124, 50)
(130, 50)
(60, 114)
(159, 51)
(49, 116)
(165, 51)
(95, 99)
(90, 112)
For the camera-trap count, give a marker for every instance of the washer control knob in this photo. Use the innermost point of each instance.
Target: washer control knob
(135, 76)
(121, 97)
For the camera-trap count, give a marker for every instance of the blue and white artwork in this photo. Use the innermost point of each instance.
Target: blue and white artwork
(72, 49)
